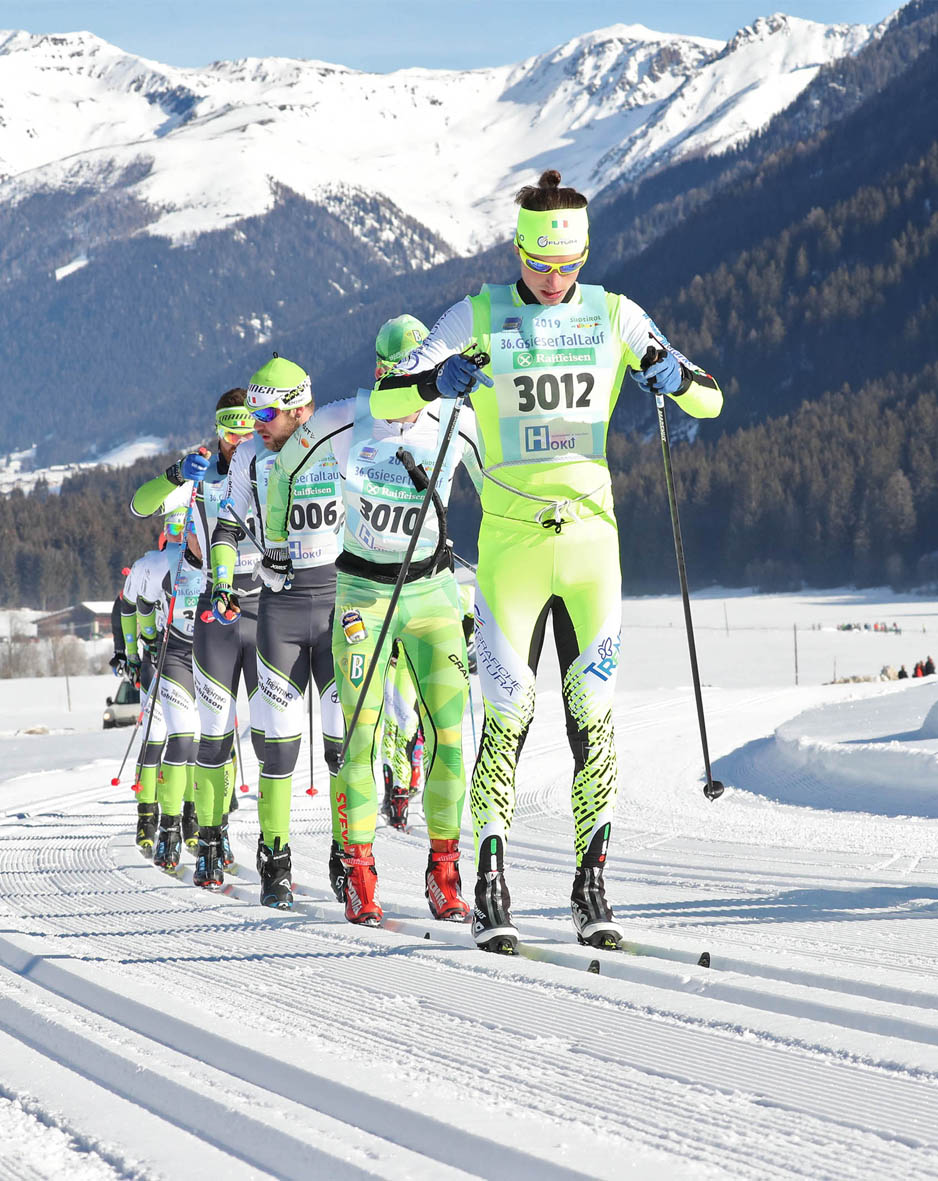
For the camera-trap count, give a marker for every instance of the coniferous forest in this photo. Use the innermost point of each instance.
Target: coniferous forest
(800, 270)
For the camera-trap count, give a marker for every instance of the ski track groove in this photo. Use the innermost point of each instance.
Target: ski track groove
(605, 1096)
(717, 1125)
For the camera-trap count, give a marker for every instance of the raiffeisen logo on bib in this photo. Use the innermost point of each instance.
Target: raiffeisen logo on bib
(538, 358)
(542, 439)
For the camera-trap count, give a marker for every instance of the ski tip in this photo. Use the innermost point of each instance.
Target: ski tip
(593, 967)
(426, 934)
(704, 961)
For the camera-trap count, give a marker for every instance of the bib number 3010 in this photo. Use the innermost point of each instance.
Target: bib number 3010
(548, 391)
(384, 518)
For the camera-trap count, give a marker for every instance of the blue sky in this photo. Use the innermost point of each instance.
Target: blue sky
(389, 34)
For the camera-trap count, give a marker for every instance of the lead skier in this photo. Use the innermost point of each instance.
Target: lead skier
(548, 544)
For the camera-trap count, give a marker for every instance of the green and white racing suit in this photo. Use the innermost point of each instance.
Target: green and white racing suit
(381, 508)
(176, 691)
(293, 625)
(548, 544)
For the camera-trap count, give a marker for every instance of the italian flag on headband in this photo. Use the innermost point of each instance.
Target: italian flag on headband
(553, 232)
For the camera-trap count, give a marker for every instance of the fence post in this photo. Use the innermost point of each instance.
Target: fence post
(795, 626)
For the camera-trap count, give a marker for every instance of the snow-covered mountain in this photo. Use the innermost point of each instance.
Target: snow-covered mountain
(201, 149)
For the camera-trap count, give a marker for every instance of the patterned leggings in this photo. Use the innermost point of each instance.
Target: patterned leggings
(527, 573)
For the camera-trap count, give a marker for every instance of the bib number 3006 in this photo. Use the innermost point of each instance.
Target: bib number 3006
(548, 391)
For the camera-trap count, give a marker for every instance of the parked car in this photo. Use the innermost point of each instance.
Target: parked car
(122, 709)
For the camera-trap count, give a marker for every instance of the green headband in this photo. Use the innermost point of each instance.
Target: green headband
(234, 418)
(553, 232)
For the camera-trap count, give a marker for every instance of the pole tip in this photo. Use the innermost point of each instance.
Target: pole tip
(244, 787)
(714, 789)
(311, 791)
(115, 781)
(136, 787)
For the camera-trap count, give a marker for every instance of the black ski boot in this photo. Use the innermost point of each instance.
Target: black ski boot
(396, 801)
(398, 805)
(148, 818)
(276, 876)
(337, 872)
(208, 871)
(168, 845)
(492, 927)
(190, 826)
(594, 921)
(225, 855)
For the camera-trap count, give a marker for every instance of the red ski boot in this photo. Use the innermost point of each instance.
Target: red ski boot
(361, 886)
(443, 884)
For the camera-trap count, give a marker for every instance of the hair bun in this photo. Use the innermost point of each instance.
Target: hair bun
(549, 179)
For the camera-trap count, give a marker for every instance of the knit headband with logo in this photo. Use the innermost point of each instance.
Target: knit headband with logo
(553, 232)
(236, 419)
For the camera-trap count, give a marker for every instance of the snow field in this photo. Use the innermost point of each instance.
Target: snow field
(147, 1013)
(218, 141)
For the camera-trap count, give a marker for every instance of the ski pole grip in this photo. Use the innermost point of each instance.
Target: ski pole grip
(417, 474)
(651, 356)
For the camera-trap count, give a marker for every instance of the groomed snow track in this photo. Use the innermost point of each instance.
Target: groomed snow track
(162, 1027)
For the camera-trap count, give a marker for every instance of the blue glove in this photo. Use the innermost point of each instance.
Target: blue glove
(225, 606)
(662, 376)
(194, 467)
(459, 375)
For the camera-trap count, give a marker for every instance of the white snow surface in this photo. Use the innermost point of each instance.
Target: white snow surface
(17, 468)
(210, 146)
(146, 1026)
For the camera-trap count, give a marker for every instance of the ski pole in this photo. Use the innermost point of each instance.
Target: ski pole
(713, 788)
(237, 734)
(133, 734)
(405, 565)
(463, 562)
(311, 790)
(155, 685)
(472, 717)
(228, 506)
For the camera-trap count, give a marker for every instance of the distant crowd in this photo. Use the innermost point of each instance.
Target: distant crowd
(894, 629)
(923, 668)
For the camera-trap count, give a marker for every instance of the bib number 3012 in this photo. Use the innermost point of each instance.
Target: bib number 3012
(548, 391)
